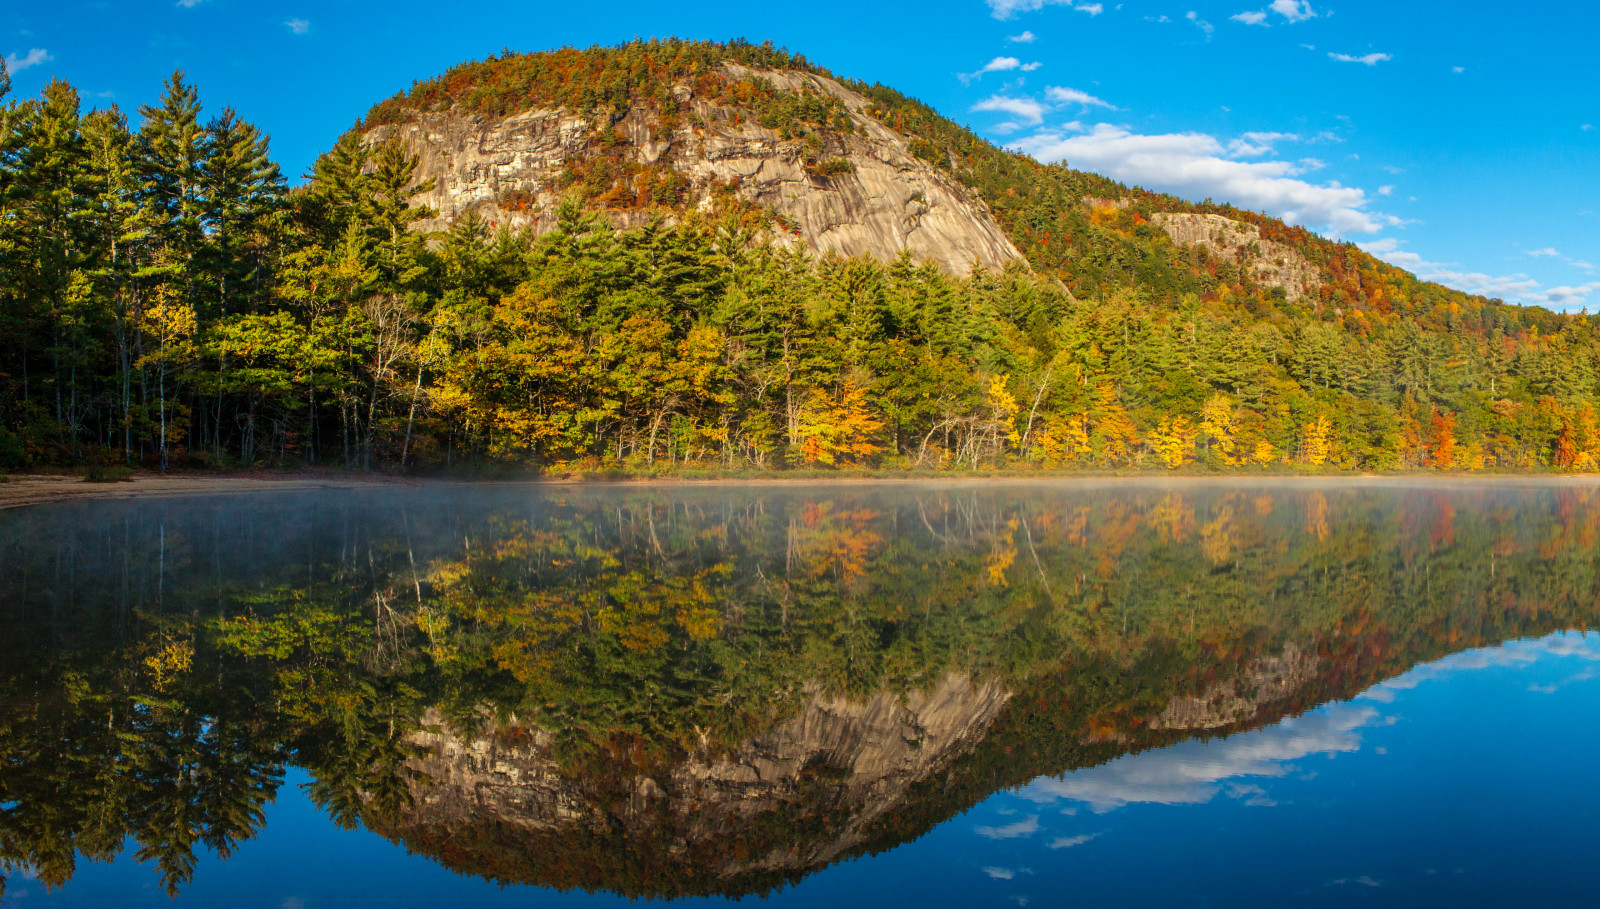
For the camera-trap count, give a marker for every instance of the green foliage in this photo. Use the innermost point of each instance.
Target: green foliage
(165, 297)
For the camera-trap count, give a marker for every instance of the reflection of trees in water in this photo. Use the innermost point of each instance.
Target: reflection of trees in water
(168, 659)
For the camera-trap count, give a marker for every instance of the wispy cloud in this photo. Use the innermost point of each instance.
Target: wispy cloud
(1024, 38)
(1062, 95)
(1517, 287)
(1291, 10)
(298, 26)
(1200, 23)
(190, 4)
(1006, 9)
(1366, 59)
(1027, 109)
(34, 57)
(1006, 64)
(1199, 166)
(1256, 144)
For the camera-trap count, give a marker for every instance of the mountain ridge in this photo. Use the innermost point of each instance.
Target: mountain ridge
(491, 88)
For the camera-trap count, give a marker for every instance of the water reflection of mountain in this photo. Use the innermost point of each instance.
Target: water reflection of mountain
(713, 691)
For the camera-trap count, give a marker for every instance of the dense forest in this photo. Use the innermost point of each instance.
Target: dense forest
(169, 300)
(171, 659)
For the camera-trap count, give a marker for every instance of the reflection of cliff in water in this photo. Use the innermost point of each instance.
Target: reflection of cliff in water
(792, 800)
(712, 691)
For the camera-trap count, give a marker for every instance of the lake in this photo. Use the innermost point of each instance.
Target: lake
(1111, 693)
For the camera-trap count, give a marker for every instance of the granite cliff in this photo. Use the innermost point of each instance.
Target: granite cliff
(854, 187)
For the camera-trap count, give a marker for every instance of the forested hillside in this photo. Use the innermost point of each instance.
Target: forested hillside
(170, 301)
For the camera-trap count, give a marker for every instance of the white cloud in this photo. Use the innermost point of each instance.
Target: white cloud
(1024, 828)
(1203, 24)
(1256, 144)
(34, 57)
(1029, 110)
(1458, 70)
(1516, 288)
(1547, 251)
(1293, 10)
(1024, 38)
(1074, 96)
(1367, 60)
(298, 26)
(1006, 9)
(1000, 65)
(1587, 127)
(1386, 190)
(190, 4)
(1197, 165)
(1192, 772)
(1067, 842)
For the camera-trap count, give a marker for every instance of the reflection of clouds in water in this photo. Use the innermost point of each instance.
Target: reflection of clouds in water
(1191, 772)
(1253, 796)
(1364, 880)
(1562, 644)
(1067, 842)
(1000, 874)
(1583, 676)
(1026, 827)
(293, 902)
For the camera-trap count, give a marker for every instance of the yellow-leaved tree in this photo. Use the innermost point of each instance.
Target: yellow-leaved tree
(832, 429)
(1173, 441)
(1314, 447)
(1217, 417)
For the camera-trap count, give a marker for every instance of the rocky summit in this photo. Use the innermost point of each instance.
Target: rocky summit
(856, 188)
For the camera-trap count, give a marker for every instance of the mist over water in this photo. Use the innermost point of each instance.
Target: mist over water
(953, 694)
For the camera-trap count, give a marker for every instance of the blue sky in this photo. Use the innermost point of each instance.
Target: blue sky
(1461, 141)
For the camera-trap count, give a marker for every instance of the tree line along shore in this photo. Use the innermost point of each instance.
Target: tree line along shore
(167, 300)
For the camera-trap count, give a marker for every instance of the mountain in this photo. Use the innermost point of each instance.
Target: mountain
(836, 164)
(848, 185)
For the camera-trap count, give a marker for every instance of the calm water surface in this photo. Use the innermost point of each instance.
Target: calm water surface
(1053, 695)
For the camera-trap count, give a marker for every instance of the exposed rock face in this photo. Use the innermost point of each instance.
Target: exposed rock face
(1268, 680)
(892, 201)
(1267, 263)
(865, 755)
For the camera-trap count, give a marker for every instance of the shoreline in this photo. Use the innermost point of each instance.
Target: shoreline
(24, 490)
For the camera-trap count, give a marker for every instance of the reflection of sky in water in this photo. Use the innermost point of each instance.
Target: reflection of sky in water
(1405, 795)
(1196, 771)
(1460, 782)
